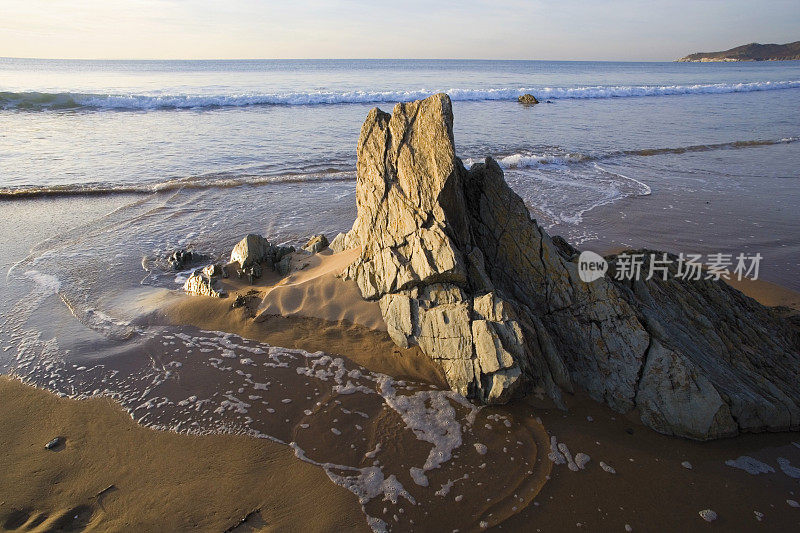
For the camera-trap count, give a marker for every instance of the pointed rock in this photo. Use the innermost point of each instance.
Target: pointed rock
(461, 270)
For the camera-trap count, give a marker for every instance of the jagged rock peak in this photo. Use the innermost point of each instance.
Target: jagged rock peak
(461, 270)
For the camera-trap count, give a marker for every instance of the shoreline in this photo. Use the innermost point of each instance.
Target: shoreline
(101, 435)
(312, 309)
(178, 464)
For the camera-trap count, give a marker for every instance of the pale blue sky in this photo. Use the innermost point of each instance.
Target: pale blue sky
(481, 29)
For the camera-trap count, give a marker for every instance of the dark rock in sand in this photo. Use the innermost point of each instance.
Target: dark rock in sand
(528, 99)
(183, 259)
(55, 443)
(283, 266)
(461, 270)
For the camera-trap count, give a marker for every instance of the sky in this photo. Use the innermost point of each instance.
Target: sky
(625, 30)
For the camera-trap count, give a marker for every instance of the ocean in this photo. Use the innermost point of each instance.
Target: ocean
(107, 166)
(705, 153)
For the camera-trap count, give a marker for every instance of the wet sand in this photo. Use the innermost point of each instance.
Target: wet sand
(651, 490)
(112, 474)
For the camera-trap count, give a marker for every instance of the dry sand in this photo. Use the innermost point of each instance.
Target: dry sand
(311, 309)
(165, 481)
(313, 290)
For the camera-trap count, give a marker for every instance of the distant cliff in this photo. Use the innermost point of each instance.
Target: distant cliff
(749, 52)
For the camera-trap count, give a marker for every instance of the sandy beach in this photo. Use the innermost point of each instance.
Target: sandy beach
(110, 473)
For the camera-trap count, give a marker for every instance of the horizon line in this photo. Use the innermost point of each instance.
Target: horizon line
(338, 59)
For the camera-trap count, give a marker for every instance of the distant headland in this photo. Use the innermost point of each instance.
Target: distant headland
(749, 52)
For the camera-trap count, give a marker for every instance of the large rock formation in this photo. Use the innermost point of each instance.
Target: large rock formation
(461, 270)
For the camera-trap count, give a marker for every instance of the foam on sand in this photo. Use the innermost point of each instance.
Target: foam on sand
(788, 469)
(750, 465)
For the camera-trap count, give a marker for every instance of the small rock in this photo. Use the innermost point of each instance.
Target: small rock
(607, 467)
(253, 272)
(708, 515)
(213, 271)
(687, 465)
(339, 243)
(759, 516)
(239, 301)
(316, 244)
(793, 503)
(182, 259)
(54, 443)
(528, 99)
(255, 249)
(283, 266)
(201, 285)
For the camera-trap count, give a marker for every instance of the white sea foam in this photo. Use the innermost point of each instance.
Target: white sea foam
(47, 283)
(788, 469)
(537, 160)
(607, 467)
(35, 100)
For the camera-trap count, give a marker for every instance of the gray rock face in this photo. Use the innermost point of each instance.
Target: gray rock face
(344, 241)
(461, 270)
(316, 244)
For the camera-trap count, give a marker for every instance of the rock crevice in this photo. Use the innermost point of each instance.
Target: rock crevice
(462, 270)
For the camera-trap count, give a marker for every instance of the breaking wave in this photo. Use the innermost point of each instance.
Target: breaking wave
(35, 101)
(207, 181)
(533, 160)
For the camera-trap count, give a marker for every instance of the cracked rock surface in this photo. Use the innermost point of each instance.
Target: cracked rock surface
(461, 270)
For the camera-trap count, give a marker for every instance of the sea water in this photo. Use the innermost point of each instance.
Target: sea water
(685, 157)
